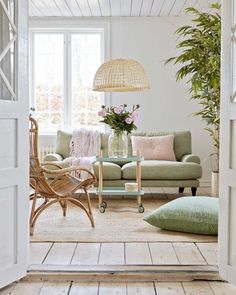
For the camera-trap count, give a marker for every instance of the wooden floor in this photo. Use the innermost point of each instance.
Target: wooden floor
(127, 254)
(123, 253)
(107, 288)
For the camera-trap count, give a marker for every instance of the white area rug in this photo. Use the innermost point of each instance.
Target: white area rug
(120, 223)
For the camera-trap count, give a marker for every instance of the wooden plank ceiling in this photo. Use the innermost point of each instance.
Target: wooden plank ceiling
(112, 8)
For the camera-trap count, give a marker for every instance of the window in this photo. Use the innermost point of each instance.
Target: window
(85, 61)
(63, 67)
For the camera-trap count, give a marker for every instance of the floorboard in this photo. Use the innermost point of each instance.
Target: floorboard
(169, 288)
(112, 288)
(219, 288)
(209, 252)
(8, 289)
(163, 253)
(194, 288)
(112, 254)
(137, 253)
(84, 288)
(24, 288)
(38, 252)
(86, 254)
(60, 254)
(50, 288)
(141, 288)
(188, 253)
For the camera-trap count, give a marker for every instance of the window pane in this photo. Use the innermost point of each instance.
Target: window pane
(48, 80)
(7, 63)
(86, 58)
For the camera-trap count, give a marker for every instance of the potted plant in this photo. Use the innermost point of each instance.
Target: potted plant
(122, 122)
(200, 59)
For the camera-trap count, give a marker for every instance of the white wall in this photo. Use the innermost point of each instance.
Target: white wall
(166, 106)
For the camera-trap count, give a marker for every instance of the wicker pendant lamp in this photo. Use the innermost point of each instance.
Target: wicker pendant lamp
(120, 75)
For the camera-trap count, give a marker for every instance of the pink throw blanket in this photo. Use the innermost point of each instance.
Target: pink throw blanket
(85, 146)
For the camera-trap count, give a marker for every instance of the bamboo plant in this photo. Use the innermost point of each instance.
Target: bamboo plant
(200, 60)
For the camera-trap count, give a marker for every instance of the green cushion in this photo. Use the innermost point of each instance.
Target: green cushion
(154, 169)
(111, 171)
(63, 143)
(197, 215)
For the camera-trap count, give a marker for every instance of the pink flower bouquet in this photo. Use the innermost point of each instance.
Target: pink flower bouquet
(119, 118)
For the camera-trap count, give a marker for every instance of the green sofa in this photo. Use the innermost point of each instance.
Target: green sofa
(185, 172)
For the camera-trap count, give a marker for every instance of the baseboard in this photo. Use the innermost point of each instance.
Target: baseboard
(205, 183)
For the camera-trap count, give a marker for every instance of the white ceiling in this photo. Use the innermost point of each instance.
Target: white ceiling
(108, 8)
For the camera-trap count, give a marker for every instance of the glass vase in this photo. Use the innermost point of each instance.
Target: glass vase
(118, 144)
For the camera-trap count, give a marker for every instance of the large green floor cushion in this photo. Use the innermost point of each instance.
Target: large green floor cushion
(155, 169)
(197, 215)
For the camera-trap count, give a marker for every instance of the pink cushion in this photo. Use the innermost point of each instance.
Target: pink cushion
(154, 148)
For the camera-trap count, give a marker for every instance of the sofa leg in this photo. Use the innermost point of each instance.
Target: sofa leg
(194, 191)
(181, 190)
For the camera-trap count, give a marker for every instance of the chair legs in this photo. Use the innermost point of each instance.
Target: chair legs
(35, 213)
(81, 205)
(63, 206)
(89, 205)
(34, 198)
(88, 200)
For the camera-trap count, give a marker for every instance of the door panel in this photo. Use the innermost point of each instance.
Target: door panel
(14, 199)
(8, 155)
(232, 227)
(8, 203)
(227, 200)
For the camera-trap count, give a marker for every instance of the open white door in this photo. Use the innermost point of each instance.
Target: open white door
(227, 216)
(14, 200)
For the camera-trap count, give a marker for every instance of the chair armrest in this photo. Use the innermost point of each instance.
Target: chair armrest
(191, 158)
(52, 157)
(69, 170)
(52, 164)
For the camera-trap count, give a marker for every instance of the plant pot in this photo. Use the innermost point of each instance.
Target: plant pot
(215, 184)
(118, 145)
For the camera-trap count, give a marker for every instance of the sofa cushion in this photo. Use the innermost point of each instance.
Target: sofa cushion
(111, 171)
(182, 141)
(63, 143)
(154, 147)
(197, 215)
(169, 170)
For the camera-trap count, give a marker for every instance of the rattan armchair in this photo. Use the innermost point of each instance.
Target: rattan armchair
(61, 189)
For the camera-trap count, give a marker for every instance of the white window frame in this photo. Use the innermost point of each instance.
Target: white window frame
(67, 28)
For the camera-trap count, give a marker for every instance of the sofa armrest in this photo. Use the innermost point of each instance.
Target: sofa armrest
(191, 158)
(52, 157)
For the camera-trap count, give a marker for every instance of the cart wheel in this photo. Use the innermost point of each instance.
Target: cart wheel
(102, 208)
(104, 204)
(141, 208)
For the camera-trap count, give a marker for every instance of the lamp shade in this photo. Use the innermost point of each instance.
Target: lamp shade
(120, 75)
